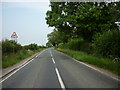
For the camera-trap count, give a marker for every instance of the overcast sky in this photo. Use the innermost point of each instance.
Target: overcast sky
(27, 19)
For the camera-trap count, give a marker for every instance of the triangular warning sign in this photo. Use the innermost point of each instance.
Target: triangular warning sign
(14, 35)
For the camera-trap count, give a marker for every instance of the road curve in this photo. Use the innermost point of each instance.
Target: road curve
(52, 69)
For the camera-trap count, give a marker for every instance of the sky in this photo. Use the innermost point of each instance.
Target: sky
(27, 19)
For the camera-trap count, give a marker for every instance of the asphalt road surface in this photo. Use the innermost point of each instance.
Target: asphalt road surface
(52, 69)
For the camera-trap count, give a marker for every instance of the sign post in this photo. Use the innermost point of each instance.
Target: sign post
(14, 38)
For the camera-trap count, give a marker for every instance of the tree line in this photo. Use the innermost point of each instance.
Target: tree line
(85, 26)
(11, 46)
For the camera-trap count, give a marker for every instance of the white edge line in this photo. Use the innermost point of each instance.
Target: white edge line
(91, 67)
(19, 69)
(97, 70)
(37, 55)
(16, 70)
(60, 79)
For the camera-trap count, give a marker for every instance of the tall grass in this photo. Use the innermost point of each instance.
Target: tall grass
(98, 61)
(11, 59)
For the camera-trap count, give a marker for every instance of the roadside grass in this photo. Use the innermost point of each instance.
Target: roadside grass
(97, 61)
(11, 59)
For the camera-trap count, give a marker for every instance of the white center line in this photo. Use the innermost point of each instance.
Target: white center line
(60, 79)
(53, 60)
(58, 74)
(51, 53)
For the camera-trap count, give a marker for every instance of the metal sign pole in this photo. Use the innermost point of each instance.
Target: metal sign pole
(13, 47)
(14, 37)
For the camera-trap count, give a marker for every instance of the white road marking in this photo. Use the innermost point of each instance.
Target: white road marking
(37, 55)
(52, 57)
(53, 60)
(18, 69)
(58, 74)
(60, 79)
(115, 78)
(51, 54)
(97, 70)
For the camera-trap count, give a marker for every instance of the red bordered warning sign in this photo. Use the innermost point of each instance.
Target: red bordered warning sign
(14, 35)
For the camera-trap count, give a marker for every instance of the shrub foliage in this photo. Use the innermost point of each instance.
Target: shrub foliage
(108, 44)
(9, 46)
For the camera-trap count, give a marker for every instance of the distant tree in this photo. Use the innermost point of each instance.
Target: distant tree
(57, 37)
(31, 46)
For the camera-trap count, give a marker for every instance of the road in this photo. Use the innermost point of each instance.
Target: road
(52, 69)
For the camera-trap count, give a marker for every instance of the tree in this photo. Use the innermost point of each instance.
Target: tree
(79, 19)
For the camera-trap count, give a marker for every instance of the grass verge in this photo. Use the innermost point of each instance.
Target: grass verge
(97, 61)
(11, 59)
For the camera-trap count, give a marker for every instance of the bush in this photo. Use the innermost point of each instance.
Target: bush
(8, 46)
(73, 44)
(63, 45)
(11, 59)
(108, 44)
(77, 44)
(32, 47)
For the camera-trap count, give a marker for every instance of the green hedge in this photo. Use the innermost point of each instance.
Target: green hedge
(77, 44)
(108, 44)
(74, 44)
(10, 46)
